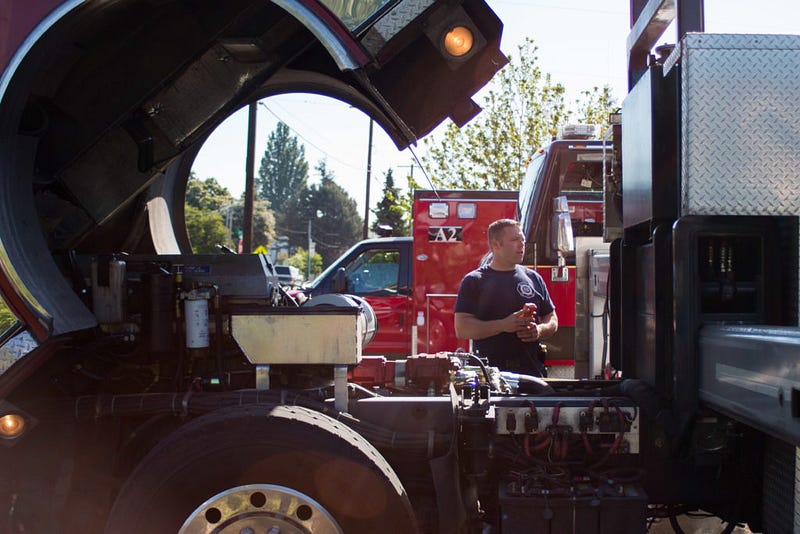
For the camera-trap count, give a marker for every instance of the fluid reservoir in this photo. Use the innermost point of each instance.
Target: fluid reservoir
(196, 313)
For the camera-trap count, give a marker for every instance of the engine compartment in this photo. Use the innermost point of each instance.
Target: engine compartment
(519, 450)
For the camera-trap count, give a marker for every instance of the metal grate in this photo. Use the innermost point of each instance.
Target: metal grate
(561, 371)
(780, 466)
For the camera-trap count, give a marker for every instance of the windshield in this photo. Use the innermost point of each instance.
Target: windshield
(355, 12)
(528, 185)
(565, 168)
(581, 172)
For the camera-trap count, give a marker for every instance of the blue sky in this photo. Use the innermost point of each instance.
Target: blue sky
(581, 43)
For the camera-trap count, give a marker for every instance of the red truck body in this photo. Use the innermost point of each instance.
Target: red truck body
(412, 282)
(571, 168)
(449, 232)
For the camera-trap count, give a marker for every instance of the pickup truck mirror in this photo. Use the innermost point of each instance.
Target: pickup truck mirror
(561, 226)
(339, 281)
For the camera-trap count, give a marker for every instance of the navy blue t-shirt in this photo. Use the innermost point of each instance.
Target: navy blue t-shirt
(488, 295)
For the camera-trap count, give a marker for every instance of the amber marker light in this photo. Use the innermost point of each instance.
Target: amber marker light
(11, 425)
(458, 41)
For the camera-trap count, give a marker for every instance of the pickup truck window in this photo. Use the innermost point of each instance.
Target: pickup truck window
(374, 272)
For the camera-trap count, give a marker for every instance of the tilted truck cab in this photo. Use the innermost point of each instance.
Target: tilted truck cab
(103, 107)
(153, 390)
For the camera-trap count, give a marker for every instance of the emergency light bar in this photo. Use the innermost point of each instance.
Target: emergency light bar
(578, 131)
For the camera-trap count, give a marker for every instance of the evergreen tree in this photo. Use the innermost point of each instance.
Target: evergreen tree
(336, 224)
(283, 173)
(390, 210)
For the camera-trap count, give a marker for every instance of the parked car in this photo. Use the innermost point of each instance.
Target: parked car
(288, 275)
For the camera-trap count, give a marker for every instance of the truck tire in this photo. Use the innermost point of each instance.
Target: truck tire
(260, 455)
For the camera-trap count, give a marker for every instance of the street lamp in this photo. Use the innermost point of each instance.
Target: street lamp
(311, 247)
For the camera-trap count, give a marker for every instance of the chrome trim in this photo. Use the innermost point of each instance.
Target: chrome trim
(344, 60)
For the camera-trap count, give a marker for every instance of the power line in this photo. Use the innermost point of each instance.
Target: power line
(298, 134)
(526, 3)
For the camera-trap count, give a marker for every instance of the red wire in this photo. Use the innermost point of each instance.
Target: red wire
(544, 444)
(621, 432)
(586, 444)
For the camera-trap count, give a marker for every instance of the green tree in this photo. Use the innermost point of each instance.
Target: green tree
(206, 230)
(283, 174)
(211, 205)
(205, 218)
(336, 224)
(263, 221)
(6, 317)
(390, 210)
(595, 105)
(207, 194)
(293, 222)
(300, 260)
(522, 108)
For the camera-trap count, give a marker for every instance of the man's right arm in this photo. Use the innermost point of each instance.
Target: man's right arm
(470, 327)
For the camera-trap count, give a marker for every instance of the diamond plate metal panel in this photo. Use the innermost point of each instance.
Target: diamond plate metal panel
(740, 125)
(797, 489)
(394, 21)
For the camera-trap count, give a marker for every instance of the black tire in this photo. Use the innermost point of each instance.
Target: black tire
(291, 447)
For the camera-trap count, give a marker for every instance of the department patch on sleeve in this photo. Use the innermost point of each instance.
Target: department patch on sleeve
(525, 290)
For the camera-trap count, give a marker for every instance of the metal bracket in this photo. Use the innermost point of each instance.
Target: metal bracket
(340, 387)
(262, 377)
(559, 274)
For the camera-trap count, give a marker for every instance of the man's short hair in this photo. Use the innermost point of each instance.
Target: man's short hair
(497, 227)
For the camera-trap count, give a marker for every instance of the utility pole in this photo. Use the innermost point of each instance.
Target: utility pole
(369, 179)
(410, 169)
(249, 181)
(308, 268)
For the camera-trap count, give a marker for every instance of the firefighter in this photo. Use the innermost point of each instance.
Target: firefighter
(504, 307)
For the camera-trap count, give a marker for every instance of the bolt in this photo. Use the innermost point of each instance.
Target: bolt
(247, 530)
(274, 530)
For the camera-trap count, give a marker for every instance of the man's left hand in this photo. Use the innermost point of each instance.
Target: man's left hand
(529, 332)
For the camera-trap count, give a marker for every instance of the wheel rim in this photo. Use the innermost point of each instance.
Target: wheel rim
(260, 509)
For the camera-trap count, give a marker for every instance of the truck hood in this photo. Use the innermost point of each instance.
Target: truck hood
(104, 105)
